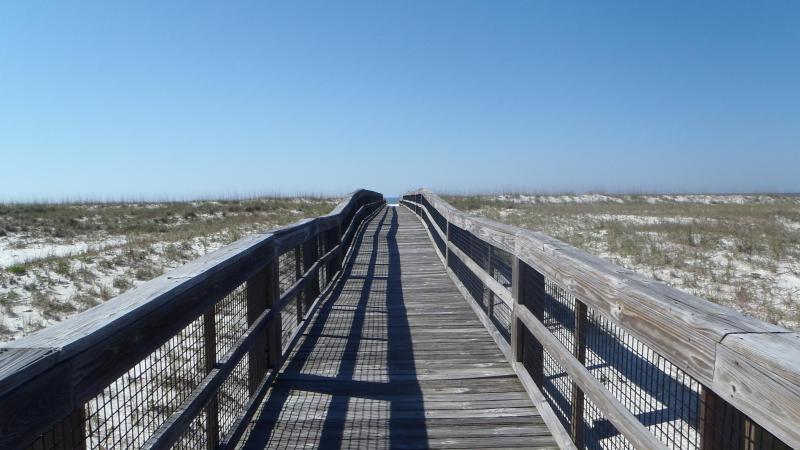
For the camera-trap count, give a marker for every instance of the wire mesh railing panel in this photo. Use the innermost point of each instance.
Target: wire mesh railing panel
(233, 395)
(196, 434)
(471, 282)
(500, 266)
(598, 432)
(129, 410)
(230, 315)
(473, 247)
(559, 314)
(288, 273)
(664, 398)
(438, 218)
(437, 239)
(289, 322)
(557, 389)
(501, 317)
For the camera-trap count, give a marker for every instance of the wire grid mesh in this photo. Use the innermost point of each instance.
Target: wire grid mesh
(230, 315)
(501, 316)
(598, 432)
(287, 269)
(289, 322)
(557, 389)
(233, 395)
(473, 247)
(130, 409)
(290, 270)
(500, 266)
(471, 282)
(195, 436)
(323, 268)
(437, 239)
(441, 222)
(664, 398)
(559, 313)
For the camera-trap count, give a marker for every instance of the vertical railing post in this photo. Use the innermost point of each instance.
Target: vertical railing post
(298, 272)
(69, 434)
(581, 327)
(708, 405)
(517, 293)
(533, 298)
(447, 239)
(488, 296)
(210, 344)
(722, 425)
(262, 293)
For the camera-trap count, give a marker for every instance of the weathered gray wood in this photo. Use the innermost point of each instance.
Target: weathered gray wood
(240, 425)
(392, 349)
(104, 342)
(763, 369)
(497, 289)
(258, 287)
(47, 399)
(613, 410)
(682, 328)
(581, 324)
(516, 293)
(515, 349)
(561, 435)
(18, 364)
(170, 431)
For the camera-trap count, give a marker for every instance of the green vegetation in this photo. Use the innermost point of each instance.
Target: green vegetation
(744, 255)
(128, 243)
(17, 269)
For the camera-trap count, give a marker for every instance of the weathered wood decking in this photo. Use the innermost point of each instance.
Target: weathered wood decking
(395, 357)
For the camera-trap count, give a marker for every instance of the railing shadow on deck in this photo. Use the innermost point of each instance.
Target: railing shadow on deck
(611, 358)
(339, 389)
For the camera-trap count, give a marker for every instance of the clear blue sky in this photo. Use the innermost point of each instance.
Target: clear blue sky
(176, 99)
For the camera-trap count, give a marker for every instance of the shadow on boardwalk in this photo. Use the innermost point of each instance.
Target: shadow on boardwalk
(354, 373)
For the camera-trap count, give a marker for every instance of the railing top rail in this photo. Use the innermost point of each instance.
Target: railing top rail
(754, 365)
(190, 287)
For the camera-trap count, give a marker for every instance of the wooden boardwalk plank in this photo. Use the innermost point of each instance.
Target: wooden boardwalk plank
(395, 358)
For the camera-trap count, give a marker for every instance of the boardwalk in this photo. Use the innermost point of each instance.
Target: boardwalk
(396, 358)
(238, 349)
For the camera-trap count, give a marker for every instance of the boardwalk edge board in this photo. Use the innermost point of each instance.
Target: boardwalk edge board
(753, 365)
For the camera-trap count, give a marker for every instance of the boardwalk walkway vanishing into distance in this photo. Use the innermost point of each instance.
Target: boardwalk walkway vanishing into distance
(412, 326)
(396, 358)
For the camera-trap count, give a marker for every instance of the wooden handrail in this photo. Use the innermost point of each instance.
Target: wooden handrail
(753, 365)
(171, 430)
(56, 370)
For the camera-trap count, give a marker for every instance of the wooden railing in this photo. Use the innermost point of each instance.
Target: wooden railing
(613, 359)
(183, 360)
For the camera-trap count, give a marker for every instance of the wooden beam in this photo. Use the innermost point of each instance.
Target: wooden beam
(682, 328)
(298, 272)
(517, 274)
(624, 420)
(210, 348)
(762, 369)
(581, 328)
(274, 331)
